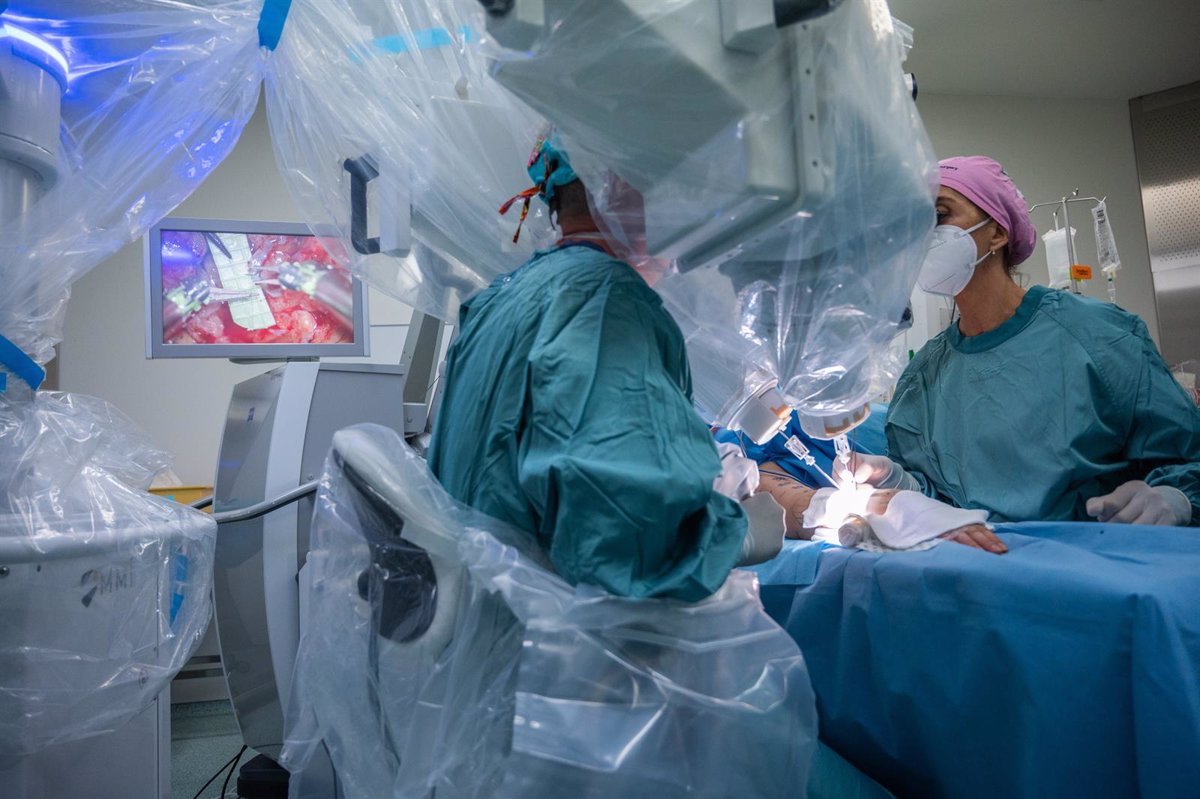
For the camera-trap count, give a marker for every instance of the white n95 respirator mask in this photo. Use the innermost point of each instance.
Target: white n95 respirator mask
(950, 260)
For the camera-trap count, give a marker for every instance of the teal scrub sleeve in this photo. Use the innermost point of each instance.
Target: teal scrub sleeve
(906, 403)
(615, 461)
(1165, 434)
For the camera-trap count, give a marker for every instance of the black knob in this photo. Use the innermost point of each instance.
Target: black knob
(791, 12)
(497, 8)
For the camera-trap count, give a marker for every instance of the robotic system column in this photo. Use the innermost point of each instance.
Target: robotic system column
(32, 79)
(30, 101)
(132, 760)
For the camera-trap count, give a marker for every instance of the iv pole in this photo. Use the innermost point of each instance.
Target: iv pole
(1064, 207)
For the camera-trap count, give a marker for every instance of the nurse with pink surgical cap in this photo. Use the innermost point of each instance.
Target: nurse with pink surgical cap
(1035, 404)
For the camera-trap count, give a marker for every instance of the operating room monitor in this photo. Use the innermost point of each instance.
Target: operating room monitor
(256, 290)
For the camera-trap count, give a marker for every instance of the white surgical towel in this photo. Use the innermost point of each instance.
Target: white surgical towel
(913, 519)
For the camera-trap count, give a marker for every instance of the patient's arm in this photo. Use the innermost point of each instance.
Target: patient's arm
(795, 497)
(978, 536)
(789, 493)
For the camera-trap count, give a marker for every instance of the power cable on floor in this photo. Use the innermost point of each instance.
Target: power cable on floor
(228, 776)
(232, 762)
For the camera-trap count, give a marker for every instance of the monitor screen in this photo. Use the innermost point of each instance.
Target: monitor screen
(233, 289)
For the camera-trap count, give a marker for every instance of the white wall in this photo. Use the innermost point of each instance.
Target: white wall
(182, 402)
(1051, 147)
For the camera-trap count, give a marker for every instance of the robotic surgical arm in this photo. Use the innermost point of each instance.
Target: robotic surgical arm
(333, 288)
(189, 297)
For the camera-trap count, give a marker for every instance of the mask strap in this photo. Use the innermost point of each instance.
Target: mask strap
(984, 257)
(975, 227)
(527, 196)
(971, 230)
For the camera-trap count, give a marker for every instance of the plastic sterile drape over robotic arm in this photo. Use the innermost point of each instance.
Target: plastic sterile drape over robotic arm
(786, 179)
(111, 113)
(475, 671)
(770, 177)
(391, 135)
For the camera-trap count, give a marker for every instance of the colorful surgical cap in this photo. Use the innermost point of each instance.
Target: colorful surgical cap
(548, 149)
(984, 182)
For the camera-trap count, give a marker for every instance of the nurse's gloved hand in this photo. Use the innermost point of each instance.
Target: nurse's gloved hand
(881, 472)
(739, 475)
(1136, 502)
(764, 529)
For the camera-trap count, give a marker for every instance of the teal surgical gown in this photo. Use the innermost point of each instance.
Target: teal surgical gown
(567, 413)
(1065, 401)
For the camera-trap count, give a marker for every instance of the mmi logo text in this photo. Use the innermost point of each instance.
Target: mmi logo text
(105, 581)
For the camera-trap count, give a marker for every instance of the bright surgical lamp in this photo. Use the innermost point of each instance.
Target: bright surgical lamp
(31, 47)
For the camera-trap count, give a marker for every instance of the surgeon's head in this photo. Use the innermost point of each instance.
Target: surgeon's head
(984, 184)
(559, 186)
(614, 212)
(552, 176)
(549, 167)
(569, 208)
(984, 226)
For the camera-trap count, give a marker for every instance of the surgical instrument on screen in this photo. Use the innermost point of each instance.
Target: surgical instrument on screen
(331, 287)
(189, 297)
(215, 241)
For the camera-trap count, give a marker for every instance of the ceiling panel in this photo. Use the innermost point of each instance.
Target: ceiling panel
(1100, 49)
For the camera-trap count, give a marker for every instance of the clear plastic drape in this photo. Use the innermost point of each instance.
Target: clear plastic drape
(773, 181)
(393, 100)
(784, 181)
(442, 654)
(112, 112)
(155, 96)
(104, 589)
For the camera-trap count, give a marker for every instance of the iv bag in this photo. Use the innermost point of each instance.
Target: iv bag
(1058, 259)
(1106, 245)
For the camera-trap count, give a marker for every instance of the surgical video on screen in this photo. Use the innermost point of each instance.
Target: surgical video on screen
(239, 288)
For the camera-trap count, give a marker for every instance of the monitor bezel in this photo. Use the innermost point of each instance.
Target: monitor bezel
(156, 348)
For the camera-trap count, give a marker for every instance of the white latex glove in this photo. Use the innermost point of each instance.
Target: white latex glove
(1137, 503)
(764, 529)
(739, 475)
(881, 472)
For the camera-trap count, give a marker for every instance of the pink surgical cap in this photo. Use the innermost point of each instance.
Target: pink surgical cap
(985, 183)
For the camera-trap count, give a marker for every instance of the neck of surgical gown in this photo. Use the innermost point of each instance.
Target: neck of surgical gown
(566, 412)
(1065, 401)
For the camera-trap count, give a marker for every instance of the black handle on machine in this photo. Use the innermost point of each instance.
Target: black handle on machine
(790, 12)
(497, 8)
(362, 171)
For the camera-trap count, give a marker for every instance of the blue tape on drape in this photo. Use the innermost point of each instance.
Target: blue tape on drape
(270, 22)
(20, 364)
(423, 39)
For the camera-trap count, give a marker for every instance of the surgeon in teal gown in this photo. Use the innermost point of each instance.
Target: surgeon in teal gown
(567, 413)
(1038, 404)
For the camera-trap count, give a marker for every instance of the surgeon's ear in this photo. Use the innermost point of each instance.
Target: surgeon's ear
(999, 239)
